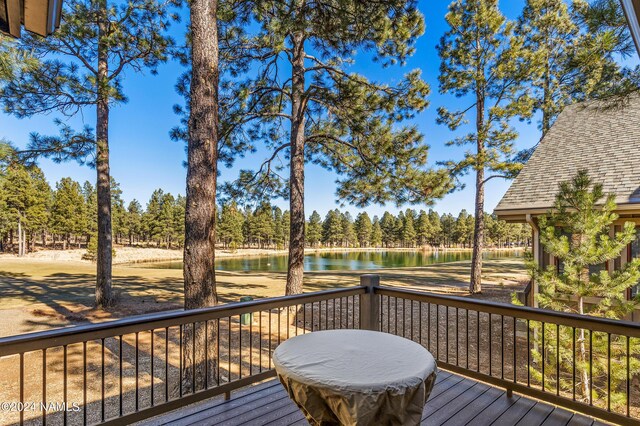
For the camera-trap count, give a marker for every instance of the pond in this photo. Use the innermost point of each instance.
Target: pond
(341, 261)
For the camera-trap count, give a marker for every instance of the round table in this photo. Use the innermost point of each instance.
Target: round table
(356, 377)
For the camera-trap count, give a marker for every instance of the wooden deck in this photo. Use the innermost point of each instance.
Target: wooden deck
(455, 400)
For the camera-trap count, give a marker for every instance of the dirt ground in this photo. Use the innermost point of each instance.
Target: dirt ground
(37, 294)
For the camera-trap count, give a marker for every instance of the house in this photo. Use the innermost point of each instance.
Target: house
(38, 16)
(631, 10)
(602, 139)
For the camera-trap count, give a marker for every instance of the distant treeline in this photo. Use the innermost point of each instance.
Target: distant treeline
(32, 213)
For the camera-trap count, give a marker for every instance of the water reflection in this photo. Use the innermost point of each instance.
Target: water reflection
(340, 261)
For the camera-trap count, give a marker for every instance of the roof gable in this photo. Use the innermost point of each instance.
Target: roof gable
(603, 140)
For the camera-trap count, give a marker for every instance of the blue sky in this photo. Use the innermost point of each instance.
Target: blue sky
(144, 158)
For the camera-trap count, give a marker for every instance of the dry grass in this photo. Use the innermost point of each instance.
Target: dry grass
(39, 295)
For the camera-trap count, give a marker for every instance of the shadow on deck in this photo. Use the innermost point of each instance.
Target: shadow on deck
(455, 400)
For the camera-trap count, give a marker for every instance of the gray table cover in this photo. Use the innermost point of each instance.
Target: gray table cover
(356, 377)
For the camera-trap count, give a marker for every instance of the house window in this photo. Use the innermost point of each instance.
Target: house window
(634, 253)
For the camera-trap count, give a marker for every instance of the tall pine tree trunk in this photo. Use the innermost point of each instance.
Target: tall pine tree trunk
(475, 285)
(546, 108)
(20, 242)
(295, 269)
(103, 186)
(202, 157)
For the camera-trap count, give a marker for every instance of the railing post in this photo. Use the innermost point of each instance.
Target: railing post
(370, 303)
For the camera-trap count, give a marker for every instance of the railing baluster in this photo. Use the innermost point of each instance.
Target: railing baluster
(558, 359)
(478, 341)
(102, 382)
(64, 383)
(152, 361)
(515, 345)
(590, 367)
(411, 319)
(229, 345)
(193, 357)
(269, 352)
(543, 353)
(166, 364)
(528, 354)
(446, 335)
(388, 314)
(573, 366)
(608, 371)
(44, 385)
(260, 340)
(395, 327)
(180, 362)
(457, 340)
(84, 383)
(466, 330)
(419, 322)
(22, 387)
(137, 373)
(404, 316)
(502, 347)
(628, 380)
(353, 311)
(438, 332)
(120, 371)
(240, 346)
(326, 314)
(429, 326)
(490, 344)
(206, 353)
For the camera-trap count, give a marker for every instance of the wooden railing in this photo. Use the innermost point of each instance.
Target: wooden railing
(587, 364)
(127, 370)
(122, 371)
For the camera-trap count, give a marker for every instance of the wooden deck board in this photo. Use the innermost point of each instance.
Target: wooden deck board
(455, 400)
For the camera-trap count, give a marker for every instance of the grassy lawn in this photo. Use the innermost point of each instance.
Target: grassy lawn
(39, 294)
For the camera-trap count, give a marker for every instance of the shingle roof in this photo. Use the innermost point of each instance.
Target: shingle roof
(604, 141)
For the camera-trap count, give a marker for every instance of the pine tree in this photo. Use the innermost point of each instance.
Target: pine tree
(423, 228)
(230, 226)
(436, 228)
(332, 228)
(388, 226)
(576, 232)
(349, 237)
(81, 68)
(335, 118)
(376, 233)
(25, 198)
(134, 220)
(68, 210)
(548, 32)
(364, 228)
(408, 230)
(278, 231)
(463, 233)
(481, 60)
(118, 211)
(314, 229)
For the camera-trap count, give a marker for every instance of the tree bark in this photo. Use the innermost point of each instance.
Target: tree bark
(475, 285)
(20, 242)
(295, 270)
(103, 187)
(200, 213)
